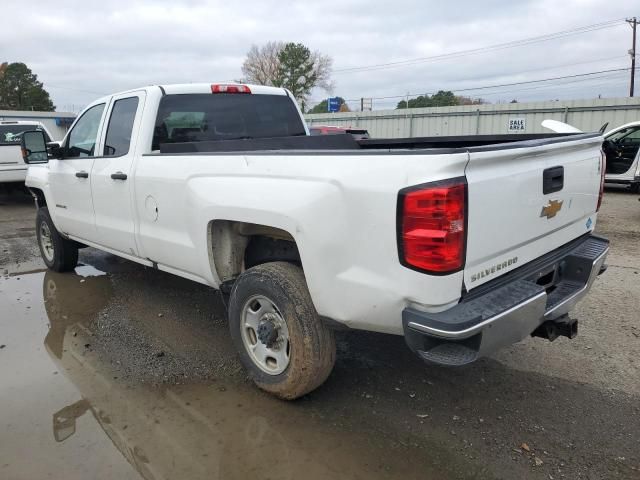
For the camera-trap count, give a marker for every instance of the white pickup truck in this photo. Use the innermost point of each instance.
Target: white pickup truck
(13, 169)
(463, 245)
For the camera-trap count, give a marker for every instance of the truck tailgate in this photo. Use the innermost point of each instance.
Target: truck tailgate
(511, 220)
(11, 157)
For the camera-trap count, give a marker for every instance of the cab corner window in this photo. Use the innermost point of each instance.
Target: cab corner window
(83, 136)
(118, 140)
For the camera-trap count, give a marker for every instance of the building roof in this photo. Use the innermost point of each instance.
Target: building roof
(30, 114)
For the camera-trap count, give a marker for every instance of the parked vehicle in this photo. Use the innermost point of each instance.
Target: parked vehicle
(461, 244)
(358, 133)
(12, 166)
(622, 147)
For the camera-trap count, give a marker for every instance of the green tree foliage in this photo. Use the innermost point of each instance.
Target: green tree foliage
(441, 99)
(296, 71)
(323, 106)
(21, 90)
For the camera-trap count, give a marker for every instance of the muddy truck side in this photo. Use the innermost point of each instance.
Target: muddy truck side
(462, 244)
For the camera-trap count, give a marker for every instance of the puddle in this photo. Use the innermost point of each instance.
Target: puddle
(67, 406)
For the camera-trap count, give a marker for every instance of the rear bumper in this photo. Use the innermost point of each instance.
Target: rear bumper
(510, 308)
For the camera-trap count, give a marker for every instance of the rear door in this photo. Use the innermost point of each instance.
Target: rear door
(72, 206)
(525, 202)
(111, 176)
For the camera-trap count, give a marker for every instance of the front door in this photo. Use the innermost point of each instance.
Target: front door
(621, 149)
(111, 176)
(70, 204)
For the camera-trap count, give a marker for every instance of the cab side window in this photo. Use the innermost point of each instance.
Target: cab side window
(120, 127)
(83, 136)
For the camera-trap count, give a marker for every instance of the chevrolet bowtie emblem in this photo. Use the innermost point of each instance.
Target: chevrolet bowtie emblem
(551, 209)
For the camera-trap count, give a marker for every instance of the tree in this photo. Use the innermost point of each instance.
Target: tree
(441, 99)
(21, 90)
(470, 101)
(323, 106)
(289, 65)
(261, 64)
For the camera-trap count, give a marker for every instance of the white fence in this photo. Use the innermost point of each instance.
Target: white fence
(587, 115)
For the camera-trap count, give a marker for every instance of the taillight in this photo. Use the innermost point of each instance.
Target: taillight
(230, 89)
(603, 167)
(432, 224)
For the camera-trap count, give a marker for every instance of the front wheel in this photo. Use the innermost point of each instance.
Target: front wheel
(284, 346)
(58, 253)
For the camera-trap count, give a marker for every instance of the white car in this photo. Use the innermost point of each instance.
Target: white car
(12, 166)
(462, 244)
(622, 147)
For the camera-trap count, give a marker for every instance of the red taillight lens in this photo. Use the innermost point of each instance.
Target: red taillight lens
(432, 226)
(230, 89)
(603, 167)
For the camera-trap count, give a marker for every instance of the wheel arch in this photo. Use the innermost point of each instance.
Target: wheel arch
(235, 246)
(38, 196)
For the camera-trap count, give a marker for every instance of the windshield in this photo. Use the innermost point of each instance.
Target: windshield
(206, 117)
(12, 134)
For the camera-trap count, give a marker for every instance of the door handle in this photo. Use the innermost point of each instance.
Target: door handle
(82, 174)
(119, 176)
(552, 180)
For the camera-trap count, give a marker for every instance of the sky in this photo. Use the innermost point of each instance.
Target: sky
(84, 49)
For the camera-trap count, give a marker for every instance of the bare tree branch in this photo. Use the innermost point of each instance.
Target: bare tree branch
(261, 65)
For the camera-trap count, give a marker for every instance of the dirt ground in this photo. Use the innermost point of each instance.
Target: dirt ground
(121, 371)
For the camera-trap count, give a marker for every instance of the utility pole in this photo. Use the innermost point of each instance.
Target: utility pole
(634, 24)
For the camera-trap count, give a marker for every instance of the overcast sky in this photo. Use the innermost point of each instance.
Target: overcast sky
(82, 49)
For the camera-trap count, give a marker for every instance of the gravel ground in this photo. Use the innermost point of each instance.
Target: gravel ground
(567, 409)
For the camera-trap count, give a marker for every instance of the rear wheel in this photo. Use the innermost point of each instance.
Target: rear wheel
(58, 253)
(284, 346)
(634, 187)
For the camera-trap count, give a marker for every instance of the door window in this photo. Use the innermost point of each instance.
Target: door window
(120, 127)
(621, 149)
(11, 134)
(227, 116)
(83, 136)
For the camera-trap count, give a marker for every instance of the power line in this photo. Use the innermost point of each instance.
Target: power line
(556, 85)
(542, 80)
(500, 46)
(508, 74)
(528, 82)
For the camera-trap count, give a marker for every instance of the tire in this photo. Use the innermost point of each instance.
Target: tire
(58, 253)
(634, 188)
(311, 344)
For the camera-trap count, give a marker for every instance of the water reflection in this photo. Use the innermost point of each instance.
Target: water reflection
(218, 430)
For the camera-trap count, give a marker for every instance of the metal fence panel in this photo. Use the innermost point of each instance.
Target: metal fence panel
(587, 115)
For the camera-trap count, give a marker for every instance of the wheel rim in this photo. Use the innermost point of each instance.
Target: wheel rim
(46, 243)
(265, 335)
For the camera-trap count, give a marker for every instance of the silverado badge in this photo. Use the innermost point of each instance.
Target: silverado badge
(551, 209)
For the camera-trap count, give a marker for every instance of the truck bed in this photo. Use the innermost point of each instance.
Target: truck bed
(347, 143)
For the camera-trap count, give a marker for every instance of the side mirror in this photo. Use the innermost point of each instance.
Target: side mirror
(34, 147)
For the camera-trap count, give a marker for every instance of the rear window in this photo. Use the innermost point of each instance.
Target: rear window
(11, 134)
(204, 117)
